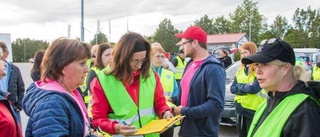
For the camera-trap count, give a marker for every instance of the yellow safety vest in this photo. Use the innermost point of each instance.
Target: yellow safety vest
(316, 73)
(83, 87)
(124, 108)
(249, 101)
(180, 68)
(273, 125)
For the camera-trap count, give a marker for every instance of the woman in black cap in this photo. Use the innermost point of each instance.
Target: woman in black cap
(293, 107)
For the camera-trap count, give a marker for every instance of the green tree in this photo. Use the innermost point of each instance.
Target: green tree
(279, 27)
(307, 26)
(207, 25)
(99, 38)
(165, 36)
(221, 25)
(23, 49)
(293, 37)
(246, 18)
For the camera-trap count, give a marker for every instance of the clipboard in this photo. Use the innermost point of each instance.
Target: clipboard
(158, 126)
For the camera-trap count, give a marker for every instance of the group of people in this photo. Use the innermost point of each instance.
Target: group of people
(131, 84)
(11, 94)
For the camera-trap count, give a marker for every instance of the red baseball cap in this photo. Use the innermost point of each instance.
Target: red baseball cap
(194, 32)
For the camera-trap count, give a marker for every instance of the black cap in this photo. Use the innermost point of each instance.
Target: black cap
(270, 50)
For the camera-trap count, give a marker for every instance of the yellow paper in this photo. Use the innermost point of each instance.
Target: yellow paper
(158, 126)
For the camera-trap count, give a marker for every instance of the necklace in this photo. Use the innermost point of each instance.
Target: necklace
(65, 87)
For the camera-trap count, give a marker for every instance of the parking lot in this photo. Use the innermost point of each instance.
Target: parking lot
(225, 131)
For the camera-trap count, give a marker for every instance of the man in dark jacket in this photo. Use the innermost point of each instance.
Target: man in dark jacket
(8, 121)
(202, 93)
(12, 83)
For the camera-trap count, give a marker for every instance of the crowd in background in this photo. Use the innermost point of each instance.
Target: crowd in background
(114, 90)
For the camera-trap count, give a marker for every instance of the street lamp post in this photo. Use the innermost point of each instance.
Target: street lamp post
(24, 51)
(250, 16)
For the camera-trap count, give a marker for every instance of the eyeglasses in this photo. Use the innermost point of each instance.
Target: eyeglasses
(160, 57)
(136, 62)
(271, 41)
(183, 43)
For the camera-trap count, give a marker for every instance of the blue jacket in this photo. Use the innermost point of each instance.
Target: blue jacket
(205, 101)
(15, 86)
(51, 114)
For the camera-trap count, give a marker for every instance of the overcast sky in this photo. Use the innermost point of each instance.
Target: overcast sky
(49, 19)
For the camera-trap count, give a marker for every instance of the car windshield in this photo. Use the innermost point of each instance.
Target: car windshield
(232, 70)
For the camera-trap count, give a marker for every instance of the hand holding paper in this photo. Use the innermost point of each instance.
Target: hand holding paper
(158, 126)
(126, 129)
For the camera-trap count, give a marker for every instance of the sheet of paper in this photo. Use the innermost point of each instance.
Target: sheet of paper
(158, 126)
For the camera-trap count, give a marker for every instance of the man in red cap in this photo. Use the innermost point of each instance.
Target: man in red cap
(202, 93)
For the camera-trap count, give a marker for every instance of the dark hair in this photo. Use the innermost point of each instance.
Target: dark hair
(318, 64)
(122, 54)
(202, 45)
(101, 48)
(225, 52)
(38, 56)
(3, 46)
(59, 54)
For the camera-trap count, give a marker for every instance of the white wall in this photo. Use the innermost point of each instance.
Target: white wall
(6, 38)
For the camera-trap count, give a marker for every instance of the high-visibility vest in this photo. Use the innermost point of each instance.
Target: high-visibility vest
(273, 125)
(167, 82)
(83, 87)
(180, 68)
(316, 72)
(249, 101)
(88, 98)
(124, 108)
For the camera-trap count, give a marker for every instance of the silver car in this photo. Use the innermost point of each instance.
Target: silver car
(228, 117)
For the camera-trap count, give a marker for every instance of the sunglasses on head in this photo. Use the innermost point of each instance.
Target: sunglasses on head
(271, 41)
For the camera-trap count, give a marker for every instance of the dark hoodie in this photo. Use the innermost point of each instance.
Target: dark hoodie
(304, 121)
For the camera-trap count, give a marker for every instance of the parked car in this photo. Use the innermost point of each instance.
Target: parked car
(228, 117)
(216, 52)
(31, 60)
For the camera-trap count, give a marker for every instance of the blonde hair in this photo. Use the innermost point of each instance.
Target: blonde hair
(155, 49)
(297, 72)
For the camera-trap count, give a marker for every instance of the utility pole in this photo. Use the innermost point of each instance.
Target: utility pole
(24, 51)
(250, 24)
(98, 31)
(82, 26)
(250, 18)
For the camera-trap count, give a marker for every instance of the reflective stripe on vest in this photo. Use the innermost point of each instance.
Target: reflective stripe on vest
(167, 81)
(180, 68)
(249, 101)
(83, 87)
(124, 108)
(316, 73)
(273, 125)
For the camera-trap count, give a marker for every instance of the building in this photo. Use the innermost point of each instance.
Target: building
(228, 40)
(6, 38)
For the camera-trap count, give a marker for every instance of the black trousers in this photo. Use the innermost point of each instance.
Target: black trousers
(243, 125)
(168, 133)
